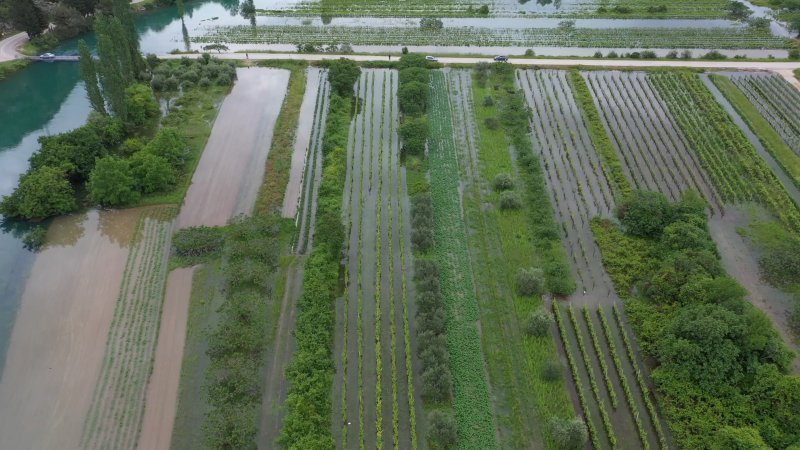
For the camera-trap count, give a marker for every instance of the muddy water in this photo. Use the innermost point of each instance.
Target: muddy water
(302, 142)
(162, 391)
(231, 169)
(58, 340)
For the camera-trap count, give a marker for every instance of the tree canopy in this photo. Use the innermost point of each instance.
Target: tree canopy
(41, 193)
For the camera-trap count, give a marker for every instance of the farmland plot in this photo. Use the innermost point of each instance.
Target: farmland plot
(776, 100)
(737, 171)
(117, 408)
(375, 405)
(473, 408)
(651, 146)
(579, 189)
(311, 169)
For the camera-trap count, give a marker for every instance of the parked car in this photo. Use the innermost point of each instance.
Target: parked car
(431, 58)
(47, 56)
(501, 58)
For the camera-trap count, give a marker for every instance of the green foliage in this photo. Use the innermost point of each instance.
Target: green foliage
(569, 434)
(430, 23)
(442, 433)
(539, 323)
(152, 173)
(414, 73)
(422, 223)
(41, 193)
(413, 98)
(76, 150)
(552, 371)
(141, 106)
(27, 16)
(626, 258)
(169, 144)
(35, 238)
(414, 131)
(644, 213)
(530, 281)
(89, 76)
(111, 182)
(503, 182)
(197, 241)
(509, 200)
(412, 60)
(720, 363)
(342, 75)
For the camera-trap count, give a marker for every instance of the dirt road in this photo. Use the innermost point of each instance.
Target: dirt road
(9, 45)
(231, 169)
(59, 338)
(162, 392)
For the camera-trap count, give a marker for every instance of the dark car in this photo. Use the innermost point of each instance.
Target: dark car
(501, 58)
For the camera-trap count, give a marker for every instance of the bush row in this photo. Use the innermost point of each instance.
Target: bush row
(307, 423)
(236, 345)
(422, 222)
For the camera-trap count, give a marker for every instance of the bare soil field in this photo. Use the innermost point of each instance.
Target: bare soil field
(231, 169)
(59, 338)
(162, 391)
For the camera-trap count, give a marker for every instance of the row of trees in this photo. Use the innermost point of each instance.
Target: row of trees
(412, 98)
(721, 365)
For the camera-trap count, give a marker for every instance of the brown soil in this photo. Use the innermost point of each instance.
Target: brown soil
(231, 169)
(162, 392)
(741, 263)
(58, 342)
(302, 143)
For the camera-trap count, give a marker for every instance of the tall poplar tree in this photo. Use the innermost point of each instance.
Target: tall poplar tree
(89, 75)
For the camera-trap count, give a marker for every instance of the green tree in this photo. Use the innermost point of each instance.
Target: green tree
(569, 434)
(28, 17)
(645, 213)
(152, 173)
(111, 182)
(89, 75)
(41, 193)
(76, 150)
(414, 132)
(342, 75)
(530, 281)
(442, 432)
(83, 6)
(737, 10)
(413, 98)
(68, 22)
(170, 144)
(419, 74)
(730, 438)
(539, 323)
(141, 106)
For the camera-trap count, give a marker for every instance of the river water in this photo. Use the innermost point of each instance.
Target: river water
(45, 99)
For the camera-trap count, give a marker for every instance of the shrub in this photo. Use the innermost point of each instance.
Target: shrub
(509, 201)
(569, 434)
(598, 54)
(152, 173)
(503, 182)
(672, 54)
(169, 144)
(530, 53)
(530, 281)
(552, 371)
(409, 74)
(436, 383)
(140, 105)
(714, 55)
(483, 10)
(430, 23)
(413, 98)
(686, 54)
(442, 433)
(645, 213)
(492, 123)
(111, 182)
(414, 132)
(612, 54)
(488, 101)
(538, 323)
(649, 54)
(794, 53)
(130, 146)
(197, 241)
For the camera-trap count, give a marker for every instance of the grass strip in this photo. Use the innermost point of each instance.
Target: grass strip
(7, 68)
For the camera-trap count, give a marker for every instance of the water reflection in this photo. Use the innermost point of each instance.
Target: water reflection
(65, 231)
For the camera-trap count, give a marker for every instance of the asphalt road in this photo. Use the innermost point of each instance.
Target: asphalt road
(8, 46)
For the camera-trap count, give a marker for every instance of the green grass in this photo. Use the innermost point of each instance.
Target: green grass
(193, 114)
(10, 67)
(279, 161)
(786, 158)
(501, 243)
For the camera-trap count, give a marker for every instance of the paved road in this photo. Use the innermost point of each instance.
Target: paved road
(726, 64)
(8, 46)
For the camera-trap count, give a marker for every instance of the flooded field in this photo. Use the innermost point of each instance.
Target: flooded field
(58, 341)
(236, 150)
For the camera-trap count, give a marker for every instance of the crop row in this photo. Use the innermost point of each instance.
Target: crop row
(473, 408)
(626, 388)
(652, 146)
(118, 403)
(720, 38)
(573, 366)
(643, 387)
(727, 155)
(777, 101)
(612, 437)
(599, 352)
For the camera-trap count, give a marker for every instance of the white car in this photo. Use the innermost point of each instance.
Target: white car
(431, 58)
(47, 56)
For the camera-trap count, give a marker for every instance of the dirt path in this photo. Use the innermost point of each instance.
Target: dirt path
(280, 354)
(59, 338)
(9, 45)
(231, 169)
(742, 264)
(788, 75)
(162, 392)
